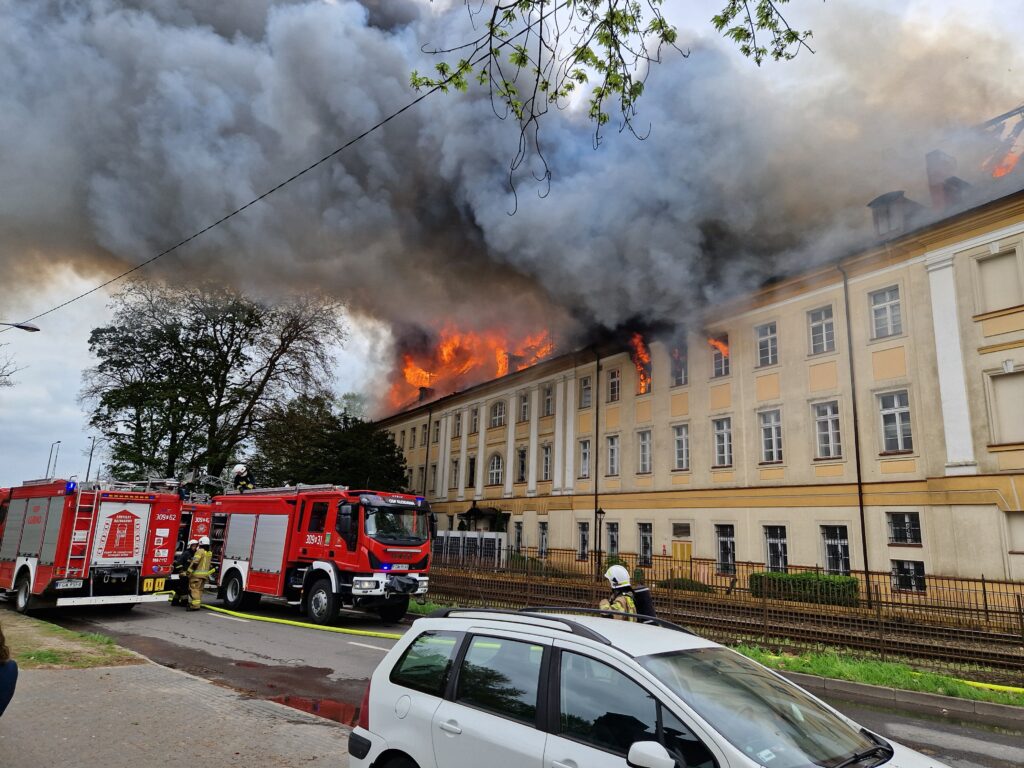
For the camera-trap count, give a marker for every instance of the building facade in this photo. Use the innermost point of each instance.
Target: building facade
(740, 442)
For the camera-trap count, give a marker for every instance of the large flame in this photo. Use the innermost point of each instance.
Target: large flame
(641, 357)
(720, 345)
(461, 359)
(1006, 165)
(1011, 145)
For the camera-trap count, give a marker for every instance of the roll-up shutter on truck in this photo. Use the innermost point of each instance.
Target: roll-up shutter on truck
(268, 549)
(35, 523)
(52, 531)
(12, 530)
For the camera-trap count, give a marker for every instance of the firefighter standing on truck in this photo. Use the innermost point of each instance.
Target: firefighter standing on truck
(240, 478)
(198, 572)
(622, 593)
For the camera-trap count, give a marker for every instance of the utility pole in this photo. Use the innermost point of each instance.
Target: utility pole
(88, 467)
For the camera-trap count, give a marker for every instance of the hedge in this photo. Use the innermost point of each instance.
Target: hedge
(687, 585)
(807, 587)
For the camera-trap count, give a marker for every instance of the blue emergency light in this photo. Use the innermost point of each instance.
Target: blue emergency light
(70, 487)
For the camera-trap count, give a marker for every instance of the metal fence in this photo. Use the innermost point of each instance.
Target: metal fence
(968, 627)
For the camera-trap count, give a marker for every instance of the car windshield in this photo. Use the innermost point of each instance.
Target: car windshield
(397, 524)
(768, 719)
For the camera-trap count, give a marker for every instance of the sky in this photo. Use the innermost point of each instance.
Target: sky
(184, 114)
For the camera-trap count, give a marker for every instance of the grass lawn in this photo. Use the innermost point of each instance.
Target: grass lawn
(37, 644)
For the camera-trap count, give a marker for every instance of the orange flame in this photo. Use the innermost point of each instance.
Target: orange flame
(1006, 165)
(461, 359)
(720, 345)
(642, 361)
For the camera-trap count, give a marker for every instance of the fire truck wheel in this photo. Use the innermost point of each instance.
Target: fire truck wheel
(392, 613)
(233, 592)
(322, 602)
(22, 593)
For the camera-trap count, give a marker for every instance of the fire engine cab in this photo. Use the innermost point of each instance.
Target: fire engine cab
(61, 544)
(324, 548)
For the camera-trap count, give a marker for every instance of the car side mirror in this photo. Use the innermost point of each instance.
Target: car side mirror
(649, 754)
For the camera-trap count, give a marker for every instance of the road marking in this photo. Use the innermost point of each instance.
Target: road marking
(367, 645)
(230, 618)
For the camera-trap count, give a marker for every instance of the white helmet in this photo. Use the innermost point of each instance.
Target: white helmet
(204, 541)
(617, 576)
(238, 470)
(193, 542)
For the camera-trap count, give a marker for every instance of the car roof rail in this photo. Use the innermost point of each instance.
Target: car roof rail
(501, 614)
(603, 612)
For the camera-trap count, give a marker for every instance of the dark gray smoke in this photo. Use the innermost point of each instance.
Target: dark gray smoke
(127, 125)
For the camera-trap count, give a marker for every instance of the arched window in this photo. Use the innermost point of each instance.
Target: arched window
(498, 414)
(494, 470)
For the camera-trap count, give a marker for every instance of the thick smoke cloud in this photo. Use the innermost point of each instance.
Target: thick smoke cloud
(129, 124)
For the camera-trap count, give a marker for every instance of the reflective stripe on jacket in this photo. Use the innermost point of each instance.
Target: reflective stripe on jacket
(200, 566)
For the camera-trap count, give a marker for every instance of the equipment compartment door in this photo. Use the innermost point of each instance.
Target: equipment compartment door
(314, 533)
(120, 532)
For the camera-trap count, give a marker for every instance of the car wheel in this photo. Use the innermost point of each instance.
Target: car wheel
(393, 612)
(321, 603)
(233, 592)
(400, 761)
(22, 593)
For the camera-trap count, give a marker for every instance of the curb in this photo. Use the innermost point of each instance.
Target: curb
(982, 711)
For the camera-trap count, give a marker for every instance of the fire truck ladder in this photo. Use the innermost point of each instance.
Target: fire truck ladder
(287, 490)
(81, 535)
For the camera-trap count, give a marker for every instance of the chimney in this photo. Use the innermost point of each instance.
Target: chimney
(946, 189)
(893, 213)
(426, 393)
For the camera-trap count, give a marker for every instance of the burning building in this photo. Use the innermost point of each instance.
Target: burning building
(853, 414)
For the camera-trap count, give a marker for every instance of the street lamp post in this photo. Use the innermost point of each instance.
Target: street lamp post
(50, 458)
(23, 326)
(599, 517)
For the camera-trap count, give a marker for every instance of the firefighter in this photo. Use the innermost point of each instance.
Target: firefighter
(8, 674)
(181, 562)
(622, 593)
(199, 570)
(241, 479)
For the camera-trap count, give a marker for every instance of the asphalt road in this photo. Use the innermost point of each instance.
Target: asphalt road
(325, 672)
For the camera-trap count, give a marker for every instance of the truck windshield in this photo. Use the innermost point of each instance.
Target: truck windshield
(398, 525)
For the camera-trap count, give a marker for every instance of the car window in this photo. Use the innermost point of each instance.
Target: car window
(602, 707)
(501, 676)
(426, 663)
(682, 744)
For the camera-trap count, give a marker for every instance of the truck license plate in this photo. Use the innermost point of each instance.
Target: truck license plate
(400, 567)
(70, 584)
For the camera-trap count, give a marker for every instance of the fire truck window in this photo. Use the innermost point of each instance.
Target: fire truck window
(317, 517)
(347, 525)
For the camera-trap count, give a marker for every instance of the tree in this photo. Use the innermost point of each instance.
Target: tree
(307, 440)
(7, 368)
(532, 54)
(185, 374)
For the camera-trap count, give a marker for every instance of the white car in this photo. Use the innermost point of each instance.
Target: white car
(472, 688)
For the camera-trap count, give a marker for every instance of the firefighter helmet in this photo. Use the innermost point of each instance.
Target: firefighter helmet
(238, 470)
(193, 542)
(204, 541)
(617, 576)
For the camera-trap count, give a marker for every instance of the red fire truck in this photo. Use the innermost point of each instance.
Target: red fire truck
(66, 545)
(324, 548)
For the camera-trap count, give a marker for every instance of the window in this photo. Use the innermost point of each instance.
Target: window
(613, 385)
(317, 516)
(548, 399)
(471, 472)
(771, 436)
(643, 465)
(423, 435)
(521, 465)
(719, 355)
(494, 470)
(498, 414)
(613, 454)
(584, 458)
(436, 436)
(723, 441)
(895, 411)
(474, 421)
(679, 369)
(681, 442)
(501, 676)
(408, 479)
(823, 335)
(1000, 282)
(646, 533)
(517, 537)
(767, 344)
(613, 539)
(778, 556)
(453, 480)
(433, 477)
(908, 575)
(725, 539)
(524, 408)
(1008, 407)
(826, 424)
(412, 437)
(542, 539)
(886, 317)
(582, 540)
(545, 462)
(904, 527)
(426, 664)
(401, 440)
(681, 530)
(837, 549)
(421, 479)
(585, 392)
(457, 425)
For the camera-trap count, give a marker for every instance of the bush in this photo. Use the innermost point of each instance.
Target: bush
(521, 562)
(615, 560)
(687, 585)
(820, 588)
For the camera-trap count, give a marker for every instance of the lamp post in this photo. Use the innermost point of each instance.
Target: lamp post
(50, 458)
(23, 326)
(598, 525)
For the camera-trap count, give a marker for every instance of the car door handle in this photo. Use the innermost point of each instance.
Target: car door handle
(567, 764)
(450, 727)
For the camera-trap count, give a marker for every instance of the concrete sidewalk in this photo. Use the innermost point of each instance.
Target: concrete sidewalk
(148, 716)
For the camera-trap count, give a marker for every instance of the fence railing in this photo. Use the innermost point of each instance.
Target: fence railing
(939, 622)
